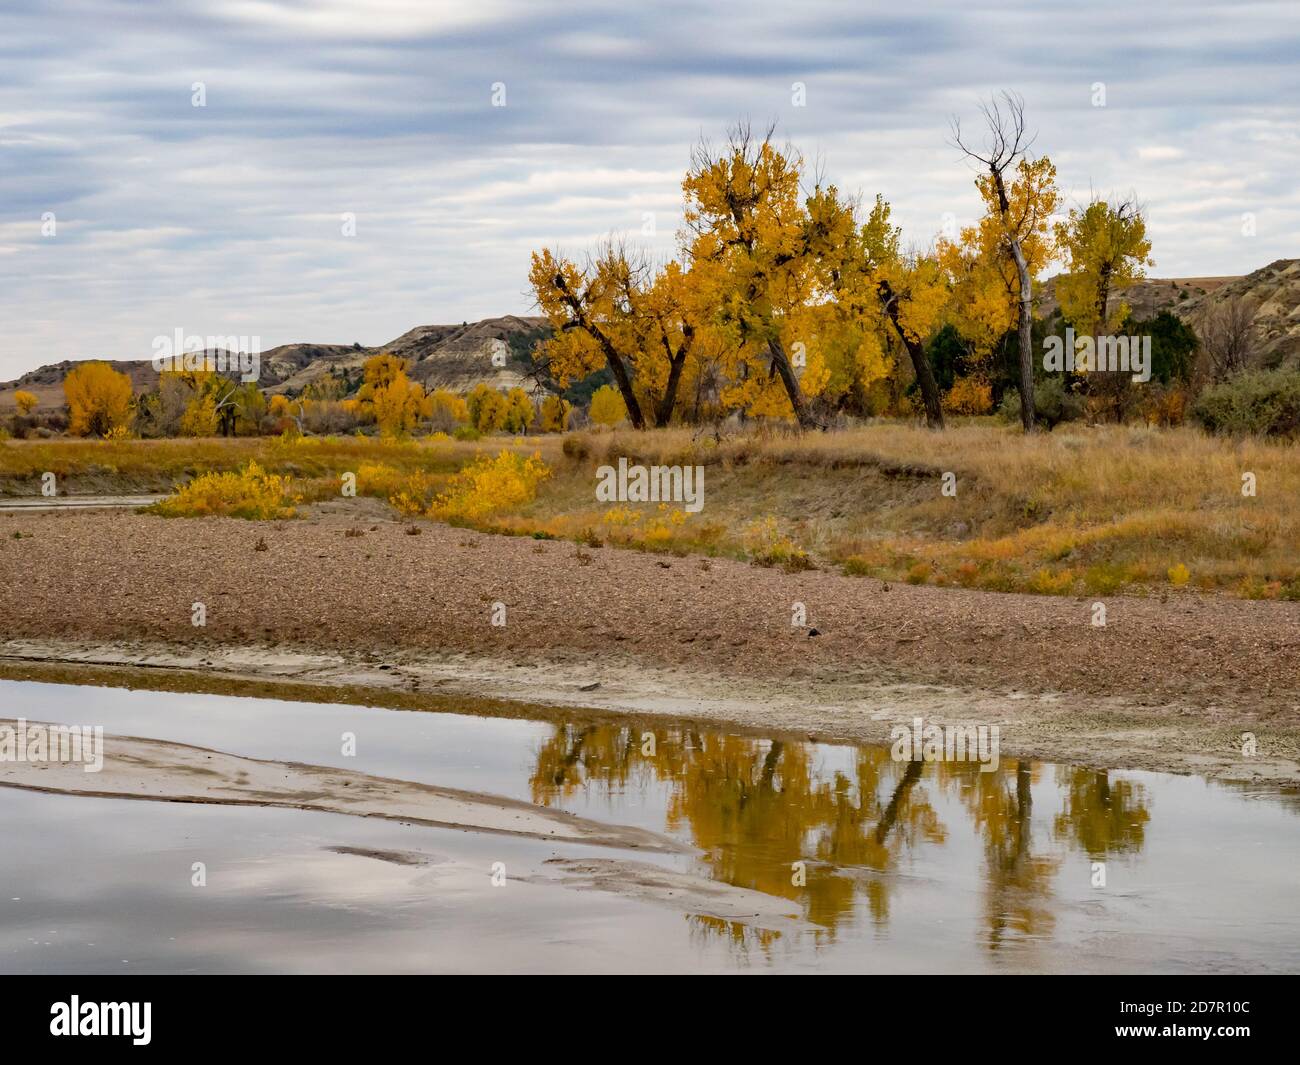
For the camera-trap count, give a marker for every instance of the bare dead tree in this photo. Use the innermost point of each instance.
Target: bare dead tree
(1226, 329)
(1005, 144)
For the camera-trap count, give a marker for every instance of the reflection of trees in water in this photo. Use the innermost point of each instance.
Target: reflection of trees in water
(755, 807)
(1017, 883)
(743, 939)
(1101, 817)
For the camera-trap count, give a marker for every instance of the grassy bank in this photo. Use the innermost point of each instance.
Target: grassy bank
(1079, 511)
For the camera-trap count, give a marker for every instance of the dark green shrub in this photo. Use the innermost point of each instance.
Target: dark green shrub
(1053, 403)
(1258, 402)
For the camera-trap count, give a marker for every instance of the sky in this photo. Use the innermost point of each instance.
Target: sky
(459, 137)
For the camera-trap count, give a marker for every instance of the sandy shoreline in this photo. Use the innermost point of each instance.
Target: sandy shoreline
(1165, 685)
(133, 767)
(1106, 733)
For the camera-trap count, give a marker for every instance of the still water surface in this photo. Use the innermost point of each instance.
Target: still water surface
(909, 866)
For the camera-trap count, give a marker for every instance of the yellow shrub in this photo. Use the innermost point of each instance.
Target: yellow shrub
(1179, 575)
(767, 546)
(607, 406)
(919, 573)
(621, 516)
(1045, 582)
(968, 396)
(488, 485)
(248, 493)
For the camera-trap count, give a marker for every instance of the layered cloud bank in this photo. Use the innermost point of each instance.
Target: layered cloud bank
(308, 170)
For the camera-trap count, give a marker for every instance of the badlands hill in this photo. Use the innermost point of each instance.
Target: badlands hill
(1275, 289)
(457, 357)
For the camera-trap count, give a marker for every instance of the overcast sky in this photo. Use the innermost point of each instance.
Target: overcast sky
(226, 218)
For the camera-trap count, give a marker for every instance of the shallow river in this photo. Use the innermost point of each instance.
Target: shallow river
(905, 866)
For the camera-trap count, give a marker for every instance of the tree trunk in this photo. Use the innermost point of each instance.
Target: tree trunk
(1026, 338)
(782, 365)
(580, 320)
(920, 364)
(664, 412)
(624, 384)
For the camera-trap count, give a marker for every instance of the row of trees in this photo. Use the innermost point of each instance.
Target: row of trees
(101, 402)
(798, 302)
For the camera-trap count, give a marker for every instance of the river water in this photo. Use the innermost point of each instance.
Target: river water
(894, 866)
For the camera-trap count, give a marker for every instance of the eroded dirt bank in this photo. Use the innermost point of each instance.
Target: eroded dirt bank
(1167, 684)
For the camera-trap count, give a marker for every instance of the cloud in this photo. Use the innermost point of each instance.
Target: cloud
(227, 217)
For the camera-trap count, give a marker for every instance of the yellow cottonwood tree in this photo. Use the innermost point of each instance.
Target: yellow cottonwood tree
(589, 311)
(398, 403)
(891, 294)
(555, 413)
(607, 406)
(752, 250)
(620, 312)
(1105, 248)
(99, 399)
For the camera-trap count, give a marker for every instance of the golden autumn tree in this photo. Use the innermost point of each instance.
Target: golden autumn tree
(886, 291)
(555, 414)
(398, 403)
(447, 410)
(589, 310)
(1105, 248)
(607, 407)
(487, 408)
(520, 411)
(24, 401)
(1019, 197)
(99, 399)
(620, 311)
(749, 242)
(664, 326)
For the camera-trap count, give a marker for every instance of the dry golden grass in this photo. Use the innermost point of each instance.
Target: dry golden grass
(91, 466)
(1078, 511)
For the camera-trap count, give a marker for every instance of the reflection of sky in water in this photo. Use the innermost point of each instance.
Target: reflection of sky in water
(934, 870)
